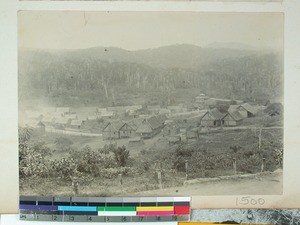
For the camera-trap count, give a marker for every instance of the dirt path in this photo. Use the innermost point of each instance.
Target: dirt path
(261, 185)
(76, 133)
(251, 127)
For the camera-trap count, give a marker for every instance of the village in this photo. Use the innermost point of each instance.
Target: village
(203, 138)
(133, 125)
(138, 114)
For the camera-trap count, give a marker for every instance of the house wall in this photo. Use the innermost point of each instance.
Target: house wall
(150, 134)
(230, 123)
(146, 135)
(169, 130)
(208, 121)
(110, 135)
(127, 133)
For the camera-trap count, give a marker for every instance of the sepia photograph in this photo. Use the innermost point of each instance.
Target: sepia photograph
(150, 103)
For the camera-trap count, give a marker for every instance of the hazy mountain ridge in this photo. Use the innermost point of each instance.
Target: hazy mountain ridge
(173, 56)
(110, 73)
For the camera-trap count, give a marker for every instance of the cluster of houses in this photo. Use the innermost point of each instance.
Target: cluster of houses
(66, 118)
(145, 128)
(204, 102)
(146, 122)
(193, 126)
(139, 122)
(233, 117)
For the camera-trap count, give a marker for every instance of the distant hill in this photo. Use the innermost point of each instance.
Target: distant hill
(109, 74)
(173, 56)
(238, 46)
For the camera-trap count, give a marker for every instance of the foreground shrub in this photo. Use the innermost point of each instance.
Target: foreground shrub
(121, 155)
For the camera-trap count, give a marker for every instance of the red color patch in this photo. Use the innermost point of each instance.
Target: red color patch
(181, 210)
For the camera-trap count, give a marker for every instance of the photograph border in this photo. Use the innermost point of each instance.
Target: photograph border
(8, 141)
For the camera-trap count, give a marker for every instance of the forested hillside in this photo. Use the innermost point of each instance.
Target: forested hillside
(115, 76)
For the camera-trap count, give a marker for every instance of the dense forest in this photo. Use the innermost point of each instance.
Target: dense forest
(110, 76)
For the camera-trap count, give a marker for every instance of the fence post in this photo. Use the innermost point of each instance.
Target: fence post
(262, 165)
(75, 185)
(234, 166)
(121, 181)
(159, 179)
(203, 169)
(259, 139)
(186, 169)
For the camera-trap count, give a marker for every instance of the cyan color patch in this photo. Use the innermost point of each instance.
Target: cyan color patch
(77, 208)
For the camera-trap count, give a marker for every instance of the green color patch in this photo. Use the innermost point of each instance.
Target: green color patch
(100, 208)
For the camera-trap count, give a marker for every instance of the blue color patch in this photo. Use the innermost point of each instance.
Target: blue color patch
(38, 207)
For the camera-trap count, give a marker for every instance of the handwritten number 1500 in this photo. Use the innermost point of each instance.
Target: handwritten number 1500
(247, 200)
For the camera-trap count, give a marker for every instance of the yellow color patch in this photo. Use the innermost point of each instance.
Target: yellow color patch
(154, 208)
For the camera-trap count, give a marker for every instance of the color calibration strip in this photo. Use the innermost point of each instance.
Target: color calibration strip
(101, 209)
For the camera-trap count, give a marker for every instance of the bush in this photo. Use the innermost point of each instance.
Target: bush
(182, 154)
(32, 160)
(91, 162)
(274, 109)
(121, 156)
(250, 165)
(110, 173)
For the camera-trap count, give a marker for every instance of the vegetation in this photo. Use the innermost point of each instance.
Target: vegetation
(167, 75)
(78, 168)
(90, 77)
(32, 155)
(86, 167)
(274, 109)
(121, 156)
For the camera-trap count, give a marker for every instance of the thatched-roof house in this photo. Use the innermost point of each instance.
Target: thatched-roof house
(150, 127)
(232, 118)
(212, 118)
(118, 130)
(245, 109)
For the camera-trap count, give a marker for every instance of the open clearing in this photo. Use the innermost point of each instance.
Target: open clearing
(265, 184)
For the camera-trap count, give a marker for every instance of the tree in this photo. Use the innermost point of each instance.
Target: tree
(182, 153)
(121, 155)
(32, 160)
(274, 109)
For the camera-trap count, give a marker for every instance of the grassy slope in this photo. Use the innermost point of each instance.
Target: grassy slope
(155, 149)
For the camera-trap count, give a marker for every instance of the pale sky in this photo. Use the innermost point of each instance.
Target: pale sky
(142, 30)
